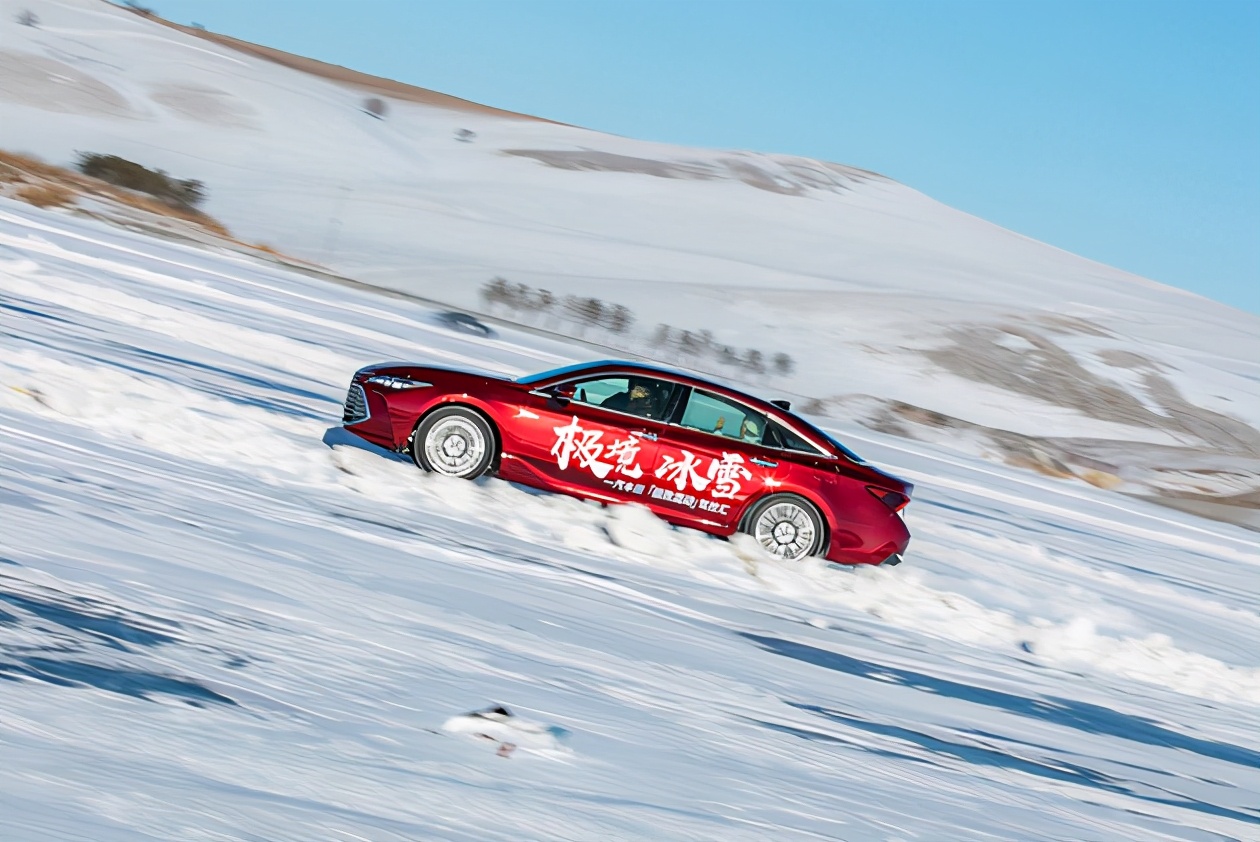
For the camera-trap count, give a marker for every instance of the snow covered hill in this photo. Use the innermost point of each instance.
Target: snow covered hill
(223, 618)
(887, 304)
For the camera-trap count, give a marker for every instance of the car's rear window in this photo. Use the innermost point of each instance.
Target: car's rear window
(781, 438)
(848, 454)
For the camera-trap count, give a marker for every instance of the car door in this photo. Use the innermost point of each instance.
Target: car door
(711, 463)
(591, 437)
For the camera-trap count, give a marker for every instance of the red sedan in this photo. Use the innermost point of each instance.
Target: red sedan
(696, 453)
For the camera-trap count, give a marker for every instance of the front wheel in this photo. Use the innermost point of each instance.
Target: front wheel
(787, 526)
(454, 441)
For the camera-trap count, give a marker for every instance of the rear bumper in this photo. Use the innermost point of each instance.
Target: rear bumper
(884, 546)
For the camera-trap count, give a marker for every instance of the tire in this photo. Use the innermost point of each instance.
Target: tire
(787, 526)
(454, 441)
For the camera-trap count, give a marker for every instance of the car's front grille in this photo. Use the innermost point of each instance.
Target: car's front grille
(356, 405)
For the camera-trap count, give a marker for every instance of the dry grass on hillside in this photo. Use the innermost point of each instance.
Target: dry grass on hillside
(44, 185)
(343, 75)
(15, 167)
(45, 195)
(47, 185)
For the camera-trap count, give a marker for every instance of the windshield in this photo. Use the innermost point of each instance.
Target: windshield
(555, 372)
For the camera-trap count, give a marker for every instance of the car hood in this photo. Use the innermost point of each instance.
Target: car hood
(418, 371)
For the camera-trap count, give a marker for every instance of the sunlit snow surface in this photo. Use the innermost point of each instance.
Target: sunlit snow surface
(222, 618)
(855, 276)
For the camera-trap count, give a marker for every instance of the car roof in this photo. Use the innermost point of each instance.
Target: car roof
(618, 365)
(632, 366)
(821, 438)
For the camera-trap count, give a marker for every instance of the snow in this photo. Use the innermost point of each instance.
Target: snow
(850, 273)
(222, 617)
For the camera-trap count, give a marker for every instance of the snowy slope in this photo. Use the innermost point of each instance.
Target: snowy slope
(856, 277)
(222, 618)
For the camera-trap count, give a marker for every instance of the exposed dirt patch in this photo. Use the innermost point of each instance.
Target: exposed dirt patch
(781, 174)
(1223, 486)
(1240, 509)
(205, 105)
(45, 195)
(1036, 366)
(345, 76)
(52, 85)
(42, 184)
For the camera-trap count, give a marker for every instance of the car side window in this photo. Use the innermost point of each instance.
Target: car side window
(781, 438)
(715, 414)
(645, 397)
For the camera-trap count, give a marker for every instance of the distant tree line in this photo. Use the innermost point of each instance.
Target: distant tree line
(686, 346)
(587, 312)
(699, 344)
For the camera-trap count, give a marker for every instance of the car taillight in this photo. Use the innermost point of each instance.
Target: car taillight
(892, 499)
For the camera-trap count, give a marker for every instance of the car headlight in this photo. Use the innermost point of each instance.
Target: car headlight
(397, 382)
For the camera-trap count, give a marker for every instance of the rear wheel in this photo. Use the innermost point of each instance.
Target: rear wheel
(787, 526)
(454, 441)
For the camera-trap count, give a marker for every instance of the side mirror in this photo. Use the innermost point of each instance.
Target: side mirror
(562, 393)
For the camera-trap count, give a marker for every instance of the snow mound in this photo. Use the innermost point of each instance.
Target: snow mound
(511, 732)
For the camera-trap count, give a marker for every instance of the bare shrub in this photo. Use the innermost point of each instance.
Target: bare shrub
(187, 193)
(494, 291)
(19, 168)
(584, 311)
(620, 319)
(46, 195)
(754, 361)
(783, 364)
(465, 135)
(693, 345)
(376, 107)
(27, 18)
(688, 346)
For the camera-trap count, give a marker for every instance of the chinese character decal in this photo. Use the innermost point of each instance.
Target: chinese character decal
(575, 443)
(572, 440)
(682, 471)
(626, 452)
(726, 475)
(617, 464)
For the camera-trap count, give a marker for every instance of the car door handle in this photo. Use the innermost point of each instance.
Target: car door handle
(643, 434)
(765, 463)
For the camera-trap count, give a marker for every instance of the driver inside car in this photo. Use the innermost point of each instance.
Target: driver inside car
(643, 398)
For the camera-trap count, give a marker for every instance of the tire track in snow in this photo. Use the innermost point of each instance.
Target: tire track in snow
(277, 447)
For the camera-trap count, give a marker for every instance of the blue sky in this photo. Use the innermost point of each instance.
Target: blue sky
(1126, 132)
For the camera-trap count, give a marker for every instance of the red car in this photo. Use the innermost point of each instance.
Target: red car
(697, 454)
